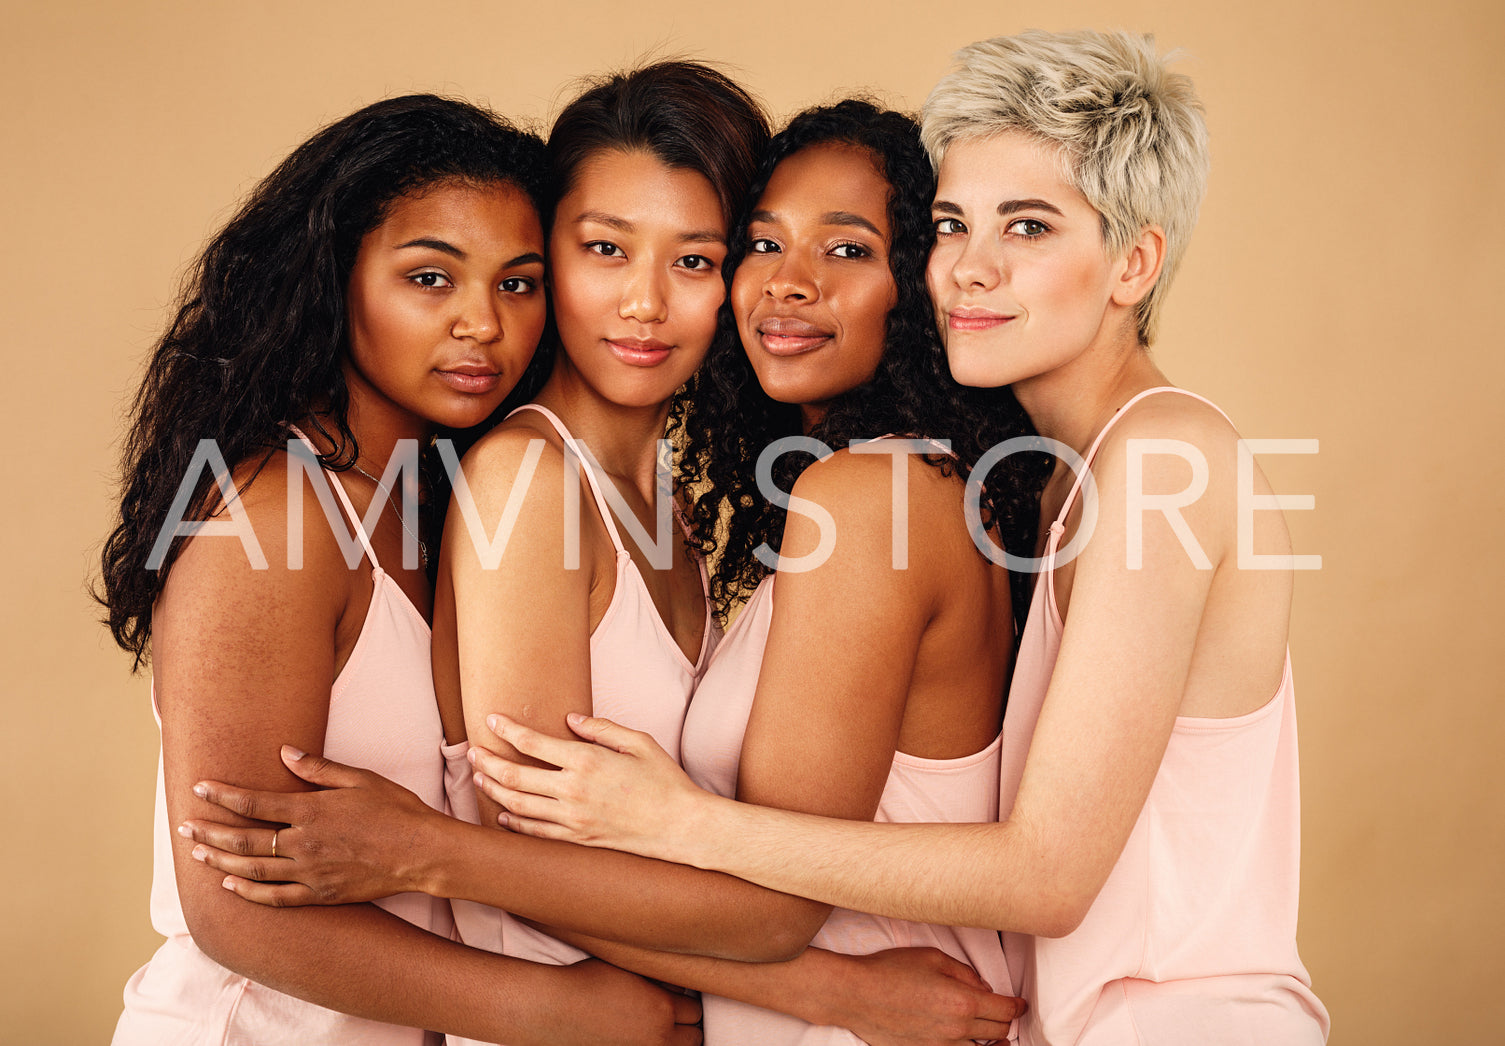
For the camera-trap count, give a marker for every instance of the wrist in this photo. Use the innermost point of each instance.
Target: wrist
(429, 868)
(694, 831)
(823, 977)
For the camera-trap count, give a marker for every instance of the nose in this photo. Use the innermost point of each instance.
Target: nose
(479, 319)
(643, 297)
(792, 279)
(978, 265)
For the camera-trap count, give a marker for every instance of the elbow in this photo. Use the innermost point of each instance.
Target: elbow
(774, 933)
(216, 930)
(1060, 919)
(1060, 910)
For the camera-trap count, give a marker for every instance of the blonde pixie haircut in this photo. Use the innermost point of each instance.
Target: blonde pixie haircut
(1130, 133)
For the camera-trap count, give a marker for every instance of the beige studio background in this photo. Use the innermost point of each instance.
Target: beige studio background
(1343, 285)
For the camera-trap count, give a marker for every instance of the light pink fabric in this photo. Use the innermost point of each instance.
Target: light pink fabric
(639, 678)
(1192, 941)
(917, 790)
(383, 716)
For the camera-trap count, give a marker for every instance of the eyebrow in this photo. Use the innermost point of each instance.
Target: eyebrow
(531, 258)
(1006, 208)
(620, 224)
(846, 218)
(432, 244)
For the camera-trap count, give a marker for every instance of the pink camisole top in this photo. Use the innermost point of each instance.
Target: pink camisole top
(917, 790)
(383, 716)
(1192, 941)
(639, 678)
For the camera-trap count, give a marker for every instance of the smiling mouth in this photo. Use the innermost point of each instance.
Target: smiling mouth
(787, 336)
(979, 320)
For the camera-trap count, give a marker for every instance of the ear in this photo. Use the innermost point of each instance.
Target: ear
(1141, 266)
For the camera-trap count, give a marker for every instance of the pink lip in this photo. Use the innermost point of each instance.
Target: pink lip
(790, 336)
(972, 318)
(473, 378)
(640, 352)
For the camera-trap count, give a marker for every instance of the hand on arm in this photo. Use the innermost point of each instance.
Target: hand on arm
(897, 997)
(1107, 717)
(243, 660)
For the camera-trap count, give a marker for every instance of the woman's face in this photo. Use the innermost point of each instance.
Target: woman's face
(1019, 275)
(813, 294)
(635, 265)
(445, 306)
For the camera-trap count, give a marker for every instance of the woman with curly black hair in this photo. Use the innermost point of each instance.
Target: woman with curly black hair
(384, 283)
(733, 419)
(872, 683)
(902, 682)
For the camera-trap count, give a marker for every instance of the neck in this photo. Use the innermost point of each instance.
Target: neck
(1072, 403)
(811, 415)
(622, 439)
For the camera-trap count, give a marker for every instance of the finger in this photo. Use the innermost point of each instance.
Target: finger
(548, 749)
(537, 829)
(273, 895)
(1000, 1009)
(278, 807)
(608, 734)
(262, 869)
(517, 777)
(315, 769)
(687, 1035)
(247, 842)
(686, 1009)
(523, 804)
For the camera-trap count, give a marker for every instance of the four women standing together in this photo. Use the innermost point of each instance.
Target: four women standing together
(1148, 777)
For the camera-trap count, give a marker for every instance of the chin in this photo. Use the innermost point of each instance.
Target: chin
(977, 373)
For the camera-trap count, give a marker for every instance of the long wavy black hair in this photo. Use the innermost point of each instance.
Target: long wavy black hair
(259, 336)
(731, 418)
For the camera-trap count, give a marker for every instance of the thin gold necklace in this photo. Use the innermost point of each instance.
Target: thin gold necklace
(423, 550)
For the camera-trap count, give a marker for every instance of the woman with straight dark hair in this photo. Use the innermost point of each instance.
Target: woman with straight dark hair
(384, 283)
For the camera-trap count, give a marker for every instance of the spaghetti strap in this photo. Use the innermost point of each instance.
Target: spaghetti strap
(589, 466)
(339, 488)
(1097, 441)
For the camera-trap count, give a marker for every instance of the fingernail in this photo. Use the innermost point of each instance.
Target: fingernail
(574, 719)
(471, 755)
(201, 790)
(289, 752)
(199, 853)
(494, 722)
(503, 820)
(479, 780)
(227, 884)
(185, 831)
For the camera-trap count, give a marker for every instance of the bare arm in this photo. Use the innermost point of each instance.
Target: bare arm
(244, 659)
(1107, 717)
(539, 672)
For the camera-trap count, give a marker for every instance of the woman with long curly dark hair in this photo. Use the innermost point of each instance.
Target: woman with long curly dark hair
(384, 283)
(905, 678)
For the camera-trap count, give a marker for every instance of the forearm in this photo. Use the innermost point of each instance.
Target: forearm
(614, 895)
(801, 986)
(989, 875)
(364, 961)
